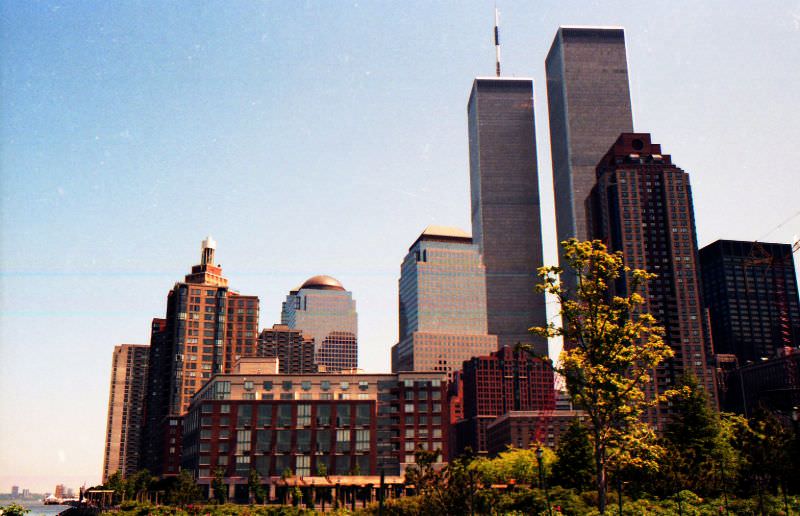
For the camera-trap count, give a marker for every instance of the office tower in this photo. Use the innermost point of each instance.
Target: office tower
(326, 312)
(207, 328)
(14, 491)
(750, 289)
(642, 206)
(59, 491)
(589, 104)
(442, 292)
(343, 424)
(294, 351)
(493, 385)
(125, 409)
(506, 223)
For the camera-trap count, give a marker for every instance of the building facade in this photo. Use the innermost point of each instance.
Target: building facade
(326, 312)
(442, 303)
(313, 425)
(207, 328)
(772, 384)
(506, 220)
(589, 105)
(294, 351)
(750, 289)
(493, 385)
(526, 428)
(125, 409)
(642, 206)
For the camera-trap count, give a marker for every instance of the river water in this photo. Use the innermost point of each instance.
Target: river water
(39, 509)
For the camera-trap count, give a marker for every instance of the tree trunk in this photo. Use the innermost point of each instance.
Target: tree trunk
(601, 478)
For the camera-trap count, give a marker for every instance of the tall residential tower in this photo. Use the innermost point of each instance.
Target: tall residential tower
(506, 221)
(442, 302)
(125, 409)
(642, 206)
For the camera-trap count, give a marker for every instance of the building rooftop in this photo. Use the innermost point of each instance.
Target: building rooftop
(443, 234)
(322, 282)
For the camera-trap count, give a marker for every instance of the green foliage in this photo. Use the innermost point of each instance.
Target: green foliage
(611, 347)
(219, 486)
(517, 464)
(184, 489)
(257, 492)
(14, 510)
(574, 466)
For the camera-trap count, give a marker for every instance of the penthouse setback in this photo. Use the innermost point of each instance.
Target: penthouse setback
(311, 424)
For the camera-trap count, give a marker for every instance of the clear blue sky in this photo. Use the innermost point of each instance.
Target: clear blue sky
(308, 138)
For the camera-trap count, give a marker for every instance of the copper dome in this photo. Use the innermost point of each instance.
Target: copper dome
(322, 283)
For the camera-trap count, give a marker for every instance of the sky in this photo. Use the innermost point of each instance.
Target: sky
(311, 138)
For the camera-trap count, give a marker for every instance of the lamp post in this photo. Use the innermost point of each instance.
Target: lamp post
(380, 494)
(539, 454)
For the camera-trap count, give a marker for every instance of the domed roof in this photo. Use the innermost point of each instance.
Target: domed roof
(322, 282)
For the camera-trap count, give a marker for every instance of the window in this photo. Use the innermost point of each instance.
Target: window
(362, 385)
(362, 440)
(264, 415)
(323, 415)
(363, 414)
(284, 441)
(343, 465)
(325, 385)
(242, 465)
(344, 385)
(304, 441)
(303, 465)
(305, 385)
(303, 415)
(284, 415)
(342, 415)
(248, 385)
(263, 441)
(268, 385)
(343, 441)
(323, 441)
(224, 409)
(243, 441)
(286, 385)
(244, 416)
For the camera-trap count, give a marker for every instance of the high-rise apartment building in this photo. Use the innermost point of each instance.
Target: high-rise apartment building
(642, 206)
(496, 384)
(506, 221)
(442, 303)
(207, 328)
(293, 349)
(325, 311)
(750, 289)
(589, 104)
(125, 409)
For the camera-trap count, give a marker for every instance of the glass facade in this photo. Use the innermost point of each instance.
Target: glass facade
(327, 313)
(442, 304)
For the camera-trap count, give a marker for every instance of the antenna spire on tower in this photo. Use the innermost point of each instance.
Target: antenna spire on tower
(497, 41)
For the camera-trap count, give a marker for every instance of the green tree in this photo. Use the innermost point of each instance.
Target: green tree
(693, 441)
(515, 465)
(574, 466)
(14, 510)
(257, 493)
(422, 474)
(611, 345)
(184, 489)
(219, 486)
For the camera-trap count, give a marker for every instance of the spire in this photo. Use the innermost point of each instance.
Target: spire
(497, 41)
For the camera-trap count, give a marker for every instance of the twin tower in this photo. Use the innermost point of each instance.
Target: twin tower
(589, 106)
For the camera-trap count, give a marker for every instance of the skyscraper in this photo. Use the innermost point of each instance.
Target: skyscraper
(642, 206)
(589, 104)
(293, 349)
(750, 289)
(206, 328)
(506, 222)
(325, 311)
(442, 303)
(125, 409)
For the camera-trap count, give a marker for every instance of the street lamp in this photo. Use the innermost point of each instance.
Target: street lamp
(539, 454)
